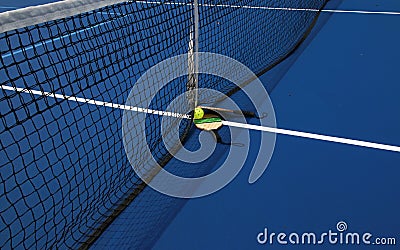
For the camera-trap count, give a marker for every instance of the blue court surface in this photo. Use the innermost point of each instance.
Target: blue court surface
(345, 83)
(6, 5)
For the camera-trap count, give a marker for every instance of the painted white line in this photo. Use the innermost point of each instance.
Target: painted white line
(226, 123)
(363, 12)
(314, 136)
(277, 8)
(7, 7)
(44, 42)
(96, 102)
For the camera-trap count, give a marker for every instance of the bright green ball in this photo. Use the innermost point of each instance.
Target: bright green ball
(198, 113)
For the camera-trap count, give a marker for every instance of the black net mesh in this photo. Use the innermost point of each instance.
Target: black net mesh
(64, 174)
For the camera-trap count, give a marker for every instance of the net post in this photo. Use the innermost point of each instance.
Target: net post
(196, 49)
(193, 64)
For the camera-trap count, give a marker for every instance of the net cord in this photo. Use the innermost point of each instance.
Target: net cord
(32, 15)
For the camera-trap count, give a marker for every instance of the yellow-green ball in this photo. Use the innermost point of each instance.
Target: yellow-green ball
(198, 113)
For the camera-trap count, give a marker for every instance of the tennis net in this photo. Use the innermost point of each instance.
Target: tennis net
(63, 169)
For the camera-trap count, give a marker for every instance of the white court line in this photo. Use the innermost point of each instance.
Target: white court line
(314, 136)
(44, 42)
(277, 8)
(96, 102)
(226, 123)
(7, 7)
